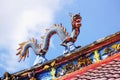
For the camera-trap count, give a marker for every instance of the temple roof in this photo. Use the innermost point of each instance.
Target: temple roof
(86, 50)
(87, 63)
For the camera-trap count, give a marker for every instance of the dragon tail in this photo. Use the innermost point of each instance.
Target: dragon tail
(23, 50)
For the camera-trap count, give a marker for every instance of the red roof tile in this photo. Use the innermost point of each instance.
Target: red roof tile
(108, 69)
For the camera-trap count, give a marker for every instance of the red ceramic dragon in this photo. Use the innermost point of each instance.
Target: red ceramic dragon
(41, 49)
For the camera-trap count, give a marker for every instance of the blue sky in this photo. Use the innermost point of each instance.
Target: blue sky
(21, 20)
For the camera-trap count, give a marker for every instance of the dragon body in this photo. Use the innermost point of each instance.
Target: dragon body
(41, 49)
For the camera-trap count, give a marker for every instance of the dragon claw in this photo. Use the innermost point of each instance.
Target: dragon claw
(69, 48)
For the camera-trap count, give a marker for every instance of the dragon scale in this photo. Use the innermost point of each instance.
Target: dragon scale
(41, 49)
(56, 29)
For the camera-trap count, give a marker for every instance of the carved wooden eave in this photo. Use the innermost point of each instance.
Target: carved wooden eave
(87, 50)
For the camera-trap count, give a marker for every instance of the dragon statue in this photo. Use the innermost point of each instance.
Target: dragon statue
(41, 49)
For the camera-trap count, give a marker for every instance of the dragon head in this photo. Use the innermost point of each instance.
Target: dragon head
(76, 20)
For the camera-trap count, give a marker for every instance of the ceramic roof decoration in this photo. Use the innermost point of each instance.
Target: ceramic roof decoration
(99, 60)
(96, 61)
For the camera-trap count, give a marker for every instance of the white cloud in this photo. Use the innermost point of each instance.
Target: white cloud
(20, 20)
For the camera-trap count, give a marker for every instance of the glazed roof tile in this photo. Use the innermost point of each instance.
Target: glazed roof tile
(108, 69)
